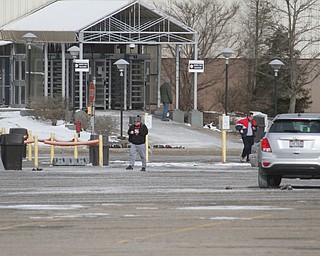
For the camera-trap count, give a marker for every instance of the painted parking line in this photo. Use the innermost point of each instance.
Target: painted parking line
(185, 230)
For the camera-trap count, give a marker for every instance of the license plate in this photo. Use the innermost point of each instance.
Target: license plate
(296, 143)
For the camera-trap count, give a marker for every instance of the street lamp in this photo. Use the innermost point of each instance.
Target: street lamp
(227, 52)
(29, 37)
(121, 65)
(276, 65)
(74, 51)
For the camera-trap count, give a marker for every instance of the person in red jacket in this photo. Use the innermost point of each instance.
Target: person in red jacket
(247, 128)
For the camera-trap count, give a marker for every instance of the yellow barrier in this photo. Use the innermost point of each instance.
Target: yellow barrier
(100, 151)
(75, 143)
(51, 148)
(36, 151)
(75, 153)
(29, 146)
(147, 140)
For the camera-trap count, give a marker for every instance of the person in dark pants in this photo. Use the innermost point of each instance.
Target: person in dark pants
(247, 128)
(166, 98)
(137, 136)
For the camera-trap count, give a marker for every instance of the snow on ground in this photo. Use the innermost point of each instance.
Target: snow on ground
(163, 133)
(12, 119)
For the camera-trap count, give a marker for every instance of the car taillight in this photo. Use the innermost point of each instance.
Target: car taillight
(265, 164)
(265, 146)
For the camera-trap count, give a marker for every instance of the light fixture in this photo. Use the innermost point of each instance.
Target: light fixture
(276, 65)
(227, 52)
(74, 51)
(29, 37)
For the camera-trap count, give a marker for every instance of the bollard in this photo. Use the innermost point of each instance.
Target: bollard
(94, 151)
(51, 148)
(100, 151)
(224, 145)
(147, 139)
(76, 147)
(29, 146)
(36, 152)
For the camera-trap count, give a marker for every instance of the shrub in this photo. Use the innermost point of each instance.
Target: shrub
(102, 124)
(49, 108)
(105, 125)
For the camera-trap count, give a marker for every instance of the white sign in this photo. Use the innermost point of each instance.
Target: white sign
(224, 122)
(196, 66)
(148, 121)
(81, 65)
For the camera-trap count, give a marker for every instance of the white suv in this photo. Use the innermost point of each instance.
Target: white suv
(290, 149)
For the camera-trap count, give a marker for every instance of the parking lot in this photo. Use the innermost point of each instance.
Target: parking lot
(175, 208)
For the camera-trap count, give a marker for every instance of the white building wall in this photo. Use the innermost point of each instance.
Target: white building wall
(13, 9)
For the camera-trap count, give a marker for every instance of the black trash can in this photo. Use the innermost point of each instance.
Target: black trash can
(24, 132)
(94, 150)
(11, 151)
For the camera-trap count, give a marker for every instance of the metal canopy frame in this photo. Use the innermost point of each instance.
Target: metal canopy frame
(132, 23)
(140, 24)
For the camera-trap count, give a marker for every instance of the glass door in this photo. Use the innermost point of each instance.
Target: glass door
(19, 81)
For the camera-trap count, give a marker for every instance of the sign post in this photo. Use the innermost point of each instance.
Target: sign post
(148, 123)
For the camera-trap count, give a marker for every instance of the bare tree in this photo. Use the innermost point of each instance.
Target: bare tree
(212, 20)
(257, 24)
(300, 18)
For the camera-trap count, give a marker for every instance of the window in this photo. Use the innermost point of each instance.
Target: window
(295, 126)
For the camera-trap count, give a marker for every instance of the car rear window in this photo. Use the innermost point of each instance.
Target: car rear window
(296, 126)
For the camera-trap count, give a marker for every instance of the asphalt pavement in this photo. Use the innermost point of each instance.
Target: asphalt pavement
(175, 208)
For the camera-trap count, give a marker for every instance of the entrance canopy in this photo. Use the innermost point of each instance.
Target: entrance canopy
(104, 21)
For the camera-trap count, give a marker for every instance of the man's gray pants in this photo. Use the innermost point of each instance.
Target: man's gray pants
(141, 149)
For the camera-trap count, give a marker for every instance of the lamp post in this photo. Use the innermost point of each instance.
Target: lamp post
(276, 65)
(227, 52)
(74, 51)
(121, 65)
(29, 37)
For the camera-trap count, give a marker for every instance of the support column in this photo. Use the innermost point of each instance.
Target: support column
(195, 117)
(177, 114)
(81, 79)
(63, 70)
(46, 70)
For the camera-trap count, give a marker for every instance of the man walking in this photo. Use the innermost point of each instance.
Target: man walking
(166, 98)
(247, 128)
(137, 136)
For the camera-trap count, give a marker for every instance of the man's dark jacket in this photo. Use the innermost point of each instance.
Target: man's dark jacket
(139, 138)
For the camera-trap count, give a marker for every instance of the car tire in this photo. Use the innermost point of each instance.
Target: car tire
(268, 181)
(262, 179)
(274, 181)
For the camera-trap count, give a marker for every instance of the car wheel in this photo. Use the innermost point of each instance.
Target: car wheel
(262, 178)
(268, 181)
(274, 181)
